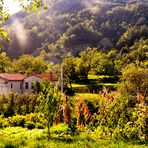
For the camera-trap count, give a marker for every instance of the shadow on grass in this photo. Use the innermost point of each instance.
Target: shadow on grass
(69, 140)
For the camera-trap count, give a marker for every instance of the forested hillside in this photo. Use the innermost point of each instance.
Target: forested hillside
(68, 27)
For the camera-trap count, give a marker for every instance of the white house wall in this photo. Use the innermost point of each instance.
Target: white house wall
(30, 80)
(16, 86)
(5, 86)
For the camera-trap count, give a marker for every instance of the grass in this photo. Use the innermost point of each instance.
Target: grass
(17, 137)
(79, 86)
(88, 95)
(95, 82)
(96, 77)
(108, 84)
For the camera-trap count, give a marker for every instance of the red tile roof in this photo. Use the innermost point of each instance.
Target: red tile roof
(46, 76)
(12, 77)
(20, 77)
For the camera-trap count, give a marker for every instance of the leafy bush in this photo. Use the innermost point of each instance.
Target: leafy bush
(30, 125)
(64, 129)
(72, 128)
(134, 80)
(118, 121)
(40, 125)
(20, 120)
(17, 120)
(59, 129)
(101, 132)
(22, 104)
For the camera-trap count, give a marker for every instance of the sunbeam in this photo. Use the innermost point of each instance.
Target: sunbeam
(21, 34)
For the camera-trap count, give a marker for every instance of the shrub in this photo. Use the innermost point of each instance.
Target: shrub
(20, 120)
(72, 128)
(118, 120)
(22, 104)
(134, 80)
(59, 129)
(17, 120)
(40, 125)
(30, 125)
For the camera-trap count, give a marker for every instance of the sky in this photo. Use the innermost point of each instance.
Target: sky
(12, 6)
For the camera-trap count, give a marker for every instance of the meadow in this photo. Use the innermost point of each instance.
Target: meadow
(18, 137)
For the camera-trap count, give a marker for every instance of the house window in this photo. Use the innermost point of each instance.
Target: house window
(11, 85)
(21, 86)
(26, 85)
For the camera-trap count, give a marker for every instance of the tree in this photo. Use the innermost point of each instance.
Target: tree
(4, 63)
(30, 64)
(50, 102)
(87, 61)
(69, 71)
(132, 34)
(3, 18)
(134, 79)
(39, 65)
(107, 63)
(79, 35)
(24, 64)
(137, 52)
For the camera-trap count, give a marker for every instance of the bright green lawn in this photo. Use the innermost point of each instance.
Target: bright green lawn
(108, 84)
(79, 86)
(93, 82)
(17, 137)
(88, 95)
(100, 84)
(95, 77)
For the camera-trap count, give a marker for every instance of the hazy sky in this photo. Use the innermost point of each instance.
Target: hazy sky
(12, 6)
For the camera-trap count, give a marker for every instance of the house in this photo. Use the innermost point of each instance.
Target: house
(20, 83)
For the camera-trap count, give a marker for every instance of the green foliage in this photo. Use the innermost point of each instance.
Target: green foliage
(79, 25)
(30, 125)
(40, 125)
(87, 61)
(18, 104)
(79, 35)
(3, 18)
(37, 119)
(17, 120)
(69, 71)
(4, 62)
(29, 64)
(134, 80)
(109, 116)
(60, 129)
(49, 102)
(137, 53)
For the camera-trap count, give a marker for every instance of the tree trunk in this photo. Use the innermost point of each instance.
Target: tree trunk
(48, 132)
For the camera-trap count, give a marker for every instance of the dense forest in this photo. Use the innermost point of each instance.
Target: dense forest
(68, 27)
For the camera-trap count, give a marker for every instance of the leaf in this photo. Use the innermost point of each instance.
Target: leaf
(6, 16)
(1, 46)
(4, 34)
(45, 7)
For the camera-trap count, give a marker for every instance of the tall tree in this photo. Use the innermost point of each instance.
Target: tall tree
(30, 64)
(5, 63)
